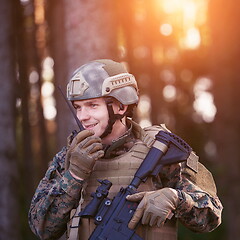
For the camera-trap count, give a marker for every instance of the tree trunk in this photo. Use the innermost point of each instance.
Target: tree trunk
(8, 185)
(224, 19)
(88, 30)
(57, 45)
(25, 137)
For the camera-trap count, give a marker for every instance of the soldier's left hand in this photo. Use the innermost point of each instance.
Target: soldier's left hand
(155, 206)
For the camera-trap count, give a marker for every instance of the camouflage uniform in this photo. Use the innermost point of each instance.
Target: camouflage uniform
(58, 193)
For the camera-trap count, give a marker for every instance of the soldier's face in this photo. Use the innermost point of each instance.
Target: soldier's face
(93, 114)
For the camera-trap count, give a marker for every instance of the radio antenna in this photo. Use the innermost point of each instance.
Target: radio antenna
(72, 110)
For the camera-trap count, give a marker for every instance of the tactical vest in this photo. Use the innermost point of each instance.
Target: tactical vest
(120, 171)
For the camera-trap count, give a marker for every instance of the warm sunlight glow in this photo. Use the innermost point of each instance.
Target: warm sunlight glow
(33, 77)
(141, 52)
(205, 107)
(47, 71)
(210, 149)
(24, 1)
(39, 13)
(166, 29)
(204, 102)
(49, 109)
(171, 6)
(169, 93)
(168, 76)
(189, 11)
(144, 105)
(144, 108)
(192, 39)
(185, 17)
(145, 123)
(47, 89)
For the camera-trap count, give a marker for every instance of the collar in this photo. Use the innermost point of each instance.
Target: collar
(117, 143)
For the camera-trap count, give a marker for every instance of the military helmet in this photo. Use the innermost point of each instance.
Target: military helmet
(103, 78)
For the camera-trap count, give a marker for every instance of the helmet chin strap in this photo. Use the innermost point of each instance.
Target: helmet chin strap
(112, 117)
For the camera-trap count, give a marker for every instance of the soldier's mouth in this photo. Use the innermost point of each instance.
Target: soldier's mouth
(90, 126)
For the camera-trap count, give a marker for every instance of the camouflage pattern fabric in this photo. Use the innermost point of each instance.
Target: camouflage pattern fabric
(58, 193)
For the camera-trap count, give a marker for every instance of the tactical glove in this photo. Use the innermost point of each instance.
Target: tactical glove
(83, 152)
(155, 207)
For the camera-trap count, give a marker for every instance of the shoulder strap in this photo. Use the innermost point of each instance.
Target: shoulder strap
(74, 222)
(147, 134)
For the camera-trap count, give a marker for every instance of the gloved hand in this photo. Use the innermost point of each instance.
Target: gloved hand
(83, 152)
(155, 206)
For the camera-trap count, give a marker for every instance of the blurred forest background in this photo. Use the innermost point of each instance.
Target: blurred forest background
(185, 55)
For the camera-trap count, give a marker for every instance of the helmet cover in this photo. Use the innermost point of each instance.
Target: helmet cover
(102, 78)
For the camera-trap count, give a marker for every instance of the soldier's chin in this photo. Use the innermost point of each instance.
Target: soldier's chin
(97, 133)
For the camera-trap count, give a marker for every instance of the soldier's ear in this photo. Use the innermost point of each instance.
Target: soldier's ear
(121, 106)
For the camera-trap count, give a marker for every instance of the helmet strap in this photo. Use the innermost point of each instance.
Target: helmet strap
(112, 117)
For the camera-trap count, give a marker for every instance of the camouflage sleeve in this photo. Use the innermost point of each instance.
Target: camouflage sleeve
(199, 209)
(57, 193)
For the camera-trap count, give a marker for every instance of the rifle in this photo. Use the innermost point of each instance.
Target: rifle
(112, 216)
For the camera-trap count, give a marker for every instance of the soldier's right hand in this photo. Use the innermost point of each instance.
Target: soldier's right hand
(83, 152)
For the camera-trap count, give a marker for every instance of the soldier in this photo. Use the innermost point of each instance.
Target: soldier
(112, 147)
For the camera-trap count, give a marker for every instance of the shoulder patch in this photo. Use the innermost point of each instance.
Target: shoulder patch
(203, 179)
(192, 162)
